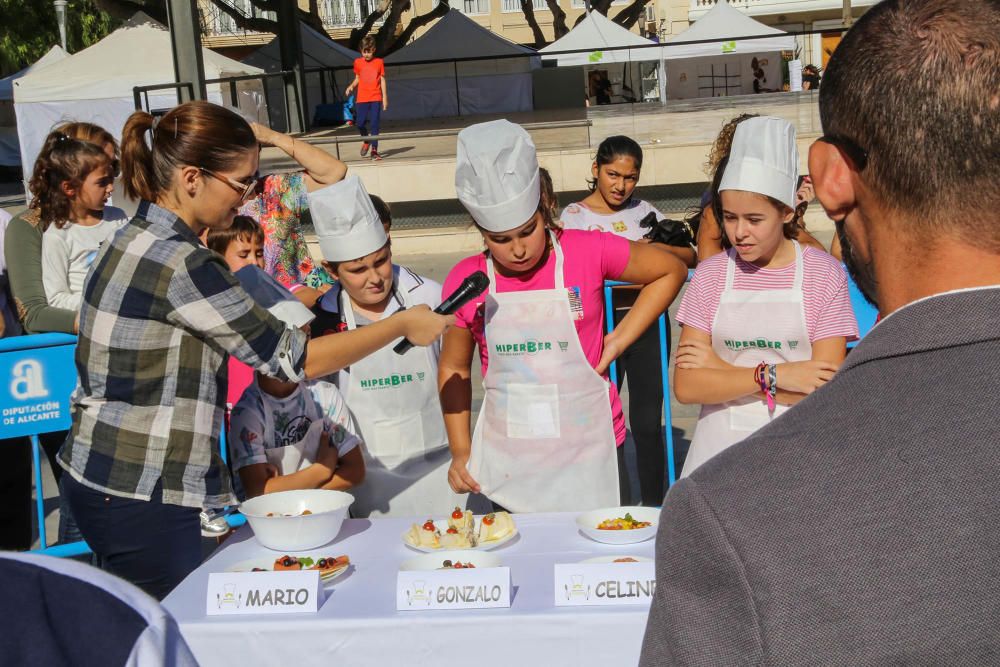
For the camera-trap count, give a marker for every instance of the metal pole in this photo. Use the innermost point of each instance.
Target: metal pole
(185, 41)
(458, 94)
(848, 14)
(60, 6)
(290, 48)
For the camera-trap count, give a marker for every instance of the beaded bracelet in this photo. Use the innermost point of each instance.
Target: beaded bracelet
(772, 386)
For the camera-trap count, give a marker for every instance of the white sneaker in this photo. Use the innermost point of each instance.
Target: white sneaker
(213, 527)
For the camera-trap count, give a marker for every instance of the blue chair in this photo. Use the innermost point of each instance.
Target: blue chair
(668, 435)
(864, 312)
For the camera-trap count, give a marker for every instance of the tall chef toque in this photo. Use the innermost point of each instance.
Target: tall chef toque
(764, 159)
(346, 223)
(496, 175)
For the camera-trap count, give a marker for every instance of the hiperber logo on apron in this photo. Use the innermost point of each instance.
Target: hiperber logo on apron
(389, 382)
(528, 347)
(758, 344)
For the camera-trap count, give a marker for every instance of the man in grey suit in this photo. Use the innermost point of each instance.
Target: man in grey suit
(863, 526)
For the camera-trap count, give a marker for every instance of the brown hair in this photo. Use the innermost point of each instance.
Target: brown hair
(197, 134)
(547, 192)
(244, 228)
(62, 159)
(384, 214)
(724, 142)
(95, 134)
(914, 85)
(367, 43)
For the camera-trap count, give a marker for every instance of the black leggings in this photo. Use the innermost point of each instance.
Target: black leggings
(640, 364)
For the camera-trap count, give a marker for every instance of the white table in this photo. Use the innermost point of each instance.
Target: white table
(358, 624)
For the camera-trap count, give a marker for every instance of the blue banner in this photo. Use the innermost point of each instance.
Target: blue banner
(37, 377)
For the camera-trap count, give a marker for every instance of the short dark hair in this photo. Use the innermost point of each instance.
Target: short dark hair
(613, 148)
(384, 214)
(914, 85)
(367, 43)
(244, 228)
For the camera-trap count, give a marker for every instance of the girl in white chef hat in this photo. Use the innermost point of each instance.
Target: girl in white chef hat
(767, 322)
(550, 430)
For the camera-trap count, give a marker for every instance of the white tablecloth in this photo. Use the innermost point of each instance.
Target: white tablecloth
(358, 624)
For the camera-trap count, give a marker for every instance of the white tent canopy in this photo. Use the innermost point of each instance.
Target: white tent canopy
(723, 63)
(95, 85)
(598, 33)
(492, 85)
(720, 25)
(10, 152)
(318, 50)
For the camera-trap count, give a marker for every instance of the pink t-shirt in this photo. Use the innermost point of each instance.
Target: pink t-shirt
(240, 377)
(824, 286)
(590, 258)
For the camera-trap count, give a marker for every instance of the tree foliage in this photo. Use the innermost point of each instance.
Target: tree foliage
(31, 30)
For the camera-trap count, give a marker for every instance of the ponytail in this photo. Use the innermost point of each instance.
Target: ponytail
(137, 158)
(197, 134)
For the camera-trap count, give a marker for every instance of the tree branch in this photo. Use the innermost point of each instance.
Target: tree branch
(125, 9)
(357, 34)
(245, 22)
(628, 17)
(558, 18)
(529, 14)
(418, 22)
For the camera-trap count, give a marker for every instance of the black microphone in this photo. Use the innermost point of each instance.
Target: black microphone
(470, 288)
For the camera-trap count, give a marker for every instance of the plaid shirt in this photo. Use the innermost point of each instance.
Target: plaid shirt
(160, 315)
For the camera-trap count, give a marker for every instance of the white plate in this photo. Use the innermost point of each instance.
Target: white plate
(442, 525)
(433, 561)
(611, 559)
(268, 563)
(587, 523)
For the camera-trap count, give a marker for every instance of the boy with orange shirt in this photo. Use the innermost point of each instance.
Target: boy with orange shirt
(372, 100)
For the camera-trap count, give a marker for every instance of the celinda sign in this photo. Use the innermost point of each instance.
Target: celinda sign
(37, 376)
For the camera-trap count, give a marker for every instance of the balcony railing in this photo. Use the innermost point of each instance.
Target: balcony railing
(217, 23)
(758, 7)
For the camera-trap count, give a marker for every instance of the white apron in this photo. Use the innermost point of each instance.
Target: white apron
(544, 440)
(394, 400)
(750, 327)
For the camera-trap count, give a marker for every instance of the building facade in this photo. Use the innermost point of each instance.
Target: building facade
(662, 18)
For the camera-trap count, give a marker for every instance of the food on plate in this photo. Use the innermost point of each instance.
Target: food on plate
(625, 559)
(623, 523)
(283, 563)
(457, 565)
(495, 526)
(461, 520)
(329, 564)
(461, 531)
(426, 535)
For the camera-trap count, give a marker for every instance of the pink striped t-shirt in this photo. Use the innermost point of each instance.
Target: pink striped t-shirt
(824, 287)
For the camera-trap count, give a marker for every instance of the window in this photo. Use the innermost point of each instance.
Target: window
(471, 7)
(510, 6)
(344, 13)
(580, 4)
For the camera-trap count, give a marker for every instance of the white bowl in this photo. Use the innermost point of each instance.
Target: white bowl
(297, 532)
(587, 523)
(433, 561)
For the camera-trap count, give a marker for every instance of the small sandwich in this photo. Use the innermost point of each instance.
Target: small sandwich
(495, 526)
(330, 564)
(287, 563)
(461, 520)
(426, 536)
(454, 538)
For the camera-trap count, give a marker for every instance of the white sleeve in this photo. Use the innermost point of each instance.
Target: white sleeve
(247, 433)
(341, 426)
(55, 271)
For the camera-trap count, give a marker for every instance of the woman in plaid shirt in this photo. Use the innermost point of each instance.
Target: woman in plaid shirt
(160, 316)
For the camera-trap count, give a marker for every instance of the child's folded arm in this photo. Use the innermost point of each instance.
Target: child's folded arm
(350, 472)
(257, 479)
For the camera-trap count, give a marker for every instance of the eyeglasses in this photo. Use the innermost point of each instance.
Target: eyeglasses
(856, 154)
(245, 189)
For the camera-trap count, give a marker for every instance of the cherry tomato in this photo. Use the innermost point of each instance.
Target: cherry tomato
(429, 525)
(488, 519)
(453, 531)
(457, 514)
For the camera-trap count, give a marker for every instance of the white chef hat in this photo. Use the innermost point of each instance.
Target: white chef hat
(346, 223)
(273, 296)
(496, 175)
(763, 159)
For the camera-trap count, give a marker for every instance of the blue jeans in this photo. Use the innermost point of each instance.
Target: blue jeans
(149, 543)
(368, 113)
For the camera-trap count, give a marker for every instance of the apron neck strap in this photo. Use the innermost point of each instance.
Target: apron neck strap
(731, 267)
(559, 281)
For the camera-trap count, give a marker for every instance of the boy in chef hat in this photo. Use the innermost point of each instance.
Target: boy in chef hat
(572, 464)
(393, 398)
(290, 435)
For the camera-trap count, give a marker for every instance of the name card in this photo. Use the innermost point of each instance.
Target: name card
(604, 584)
(263, 592)
(474, 588)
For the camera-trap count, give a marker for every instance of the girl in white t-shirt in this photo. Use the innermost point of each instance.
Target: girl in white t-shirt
(611, 207)
(72, 184)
